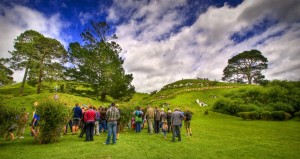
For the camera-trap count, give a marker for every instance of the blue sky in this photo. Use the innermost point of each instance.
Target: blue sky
(167, 40)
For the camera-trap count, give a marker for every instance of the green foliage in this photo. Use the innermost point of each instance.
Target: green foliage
(5, 73)
(279, 115)
(98, 63)
(245, 67)
(53, 116)
(266, 115)
(275, 96)
(297, 114)
(126, 114)
(8, 117)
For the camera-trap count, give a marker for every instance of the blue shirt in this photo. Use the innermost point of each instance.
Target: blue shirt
(77, 112)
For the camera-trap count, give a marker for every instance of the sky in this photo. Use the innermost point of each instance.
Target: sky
(164, 41)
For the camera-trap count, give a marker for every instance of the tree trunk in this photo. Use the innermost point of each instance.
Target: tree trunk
(24, 78)
(40, 76)
(103, 96)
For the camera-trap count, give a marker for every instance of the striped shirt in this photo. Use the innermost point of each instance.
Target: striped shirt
(112, 114)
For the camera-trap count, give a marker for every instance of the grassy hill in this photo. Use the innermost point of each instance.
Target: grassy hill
(215, 135)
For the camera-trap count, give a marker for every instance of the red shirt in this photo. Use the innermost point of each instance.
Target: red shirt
(89, 116)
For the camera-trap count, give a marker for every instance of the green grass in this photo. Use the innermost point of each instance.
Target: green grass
(214, 136)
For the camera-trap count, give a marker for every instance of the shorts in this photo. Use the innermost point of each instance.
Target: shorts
(75, 121)
(187, 124)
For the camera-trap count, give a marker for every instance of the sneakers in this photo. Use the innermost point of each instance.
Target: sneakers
(104, 143)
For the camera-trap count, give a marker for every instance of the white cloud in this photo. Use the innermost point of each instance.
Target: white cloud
(85, 17)
(202, 49)
(16, 19)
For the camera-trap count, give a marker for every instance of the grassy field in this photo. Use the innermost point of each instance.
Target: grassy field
(214, 135)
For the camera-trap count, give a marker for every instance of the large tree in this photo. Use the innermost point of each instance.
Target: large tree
(36, 53)
(25, 53)
(97, 63)
(5, 73)
(246, 67)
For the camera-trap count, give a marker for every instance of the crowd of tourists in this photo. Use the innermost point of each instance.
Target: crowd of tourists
(91, 121)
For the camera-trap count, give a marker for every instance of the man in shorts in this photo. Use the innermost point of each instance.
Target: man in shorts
(76, 118)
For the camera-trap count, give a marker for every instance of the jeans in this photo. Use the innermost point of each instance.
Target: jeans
(112, 131)
(90, 131)
(103, 125)
(176, 132)
(156, 126)
(138, 126)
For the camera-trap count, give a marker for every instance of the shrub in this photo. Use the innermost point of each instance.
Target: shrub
(125, 115)
(297, 114)
(206, 112)
(253, 115)
(53, 116)
(279, 106)
(266, 115)
(278, 115)
(249, 115)
(8, 117)
(244, 115)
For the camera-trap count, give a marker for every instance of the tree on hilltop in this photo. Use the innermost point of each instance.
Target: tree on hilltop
(246, 67)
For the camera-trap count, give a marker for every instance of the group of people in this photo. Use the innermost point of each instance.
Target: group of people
(157, 119)
(93, 121)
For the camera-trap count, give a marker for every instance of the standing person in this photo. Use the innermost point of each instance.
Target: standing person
(187, 122)
(35, 126)
(22, 123)
(169, 115)
(150, 118)
(156, 120)
(112, 116)
(176, 120)
(76, 118)
(164, 128)
(89, 119)
(118, 124)
(138, 119)
(103, 124)
(97, 121)
(163, 117)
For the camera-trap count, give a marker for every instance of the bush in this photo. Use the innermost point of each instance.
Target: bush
(279, 106)
(244, 115)
(249, 115)
(297, 114)
(8, 117)
(266, 115)
(53, 116)
(278, 115)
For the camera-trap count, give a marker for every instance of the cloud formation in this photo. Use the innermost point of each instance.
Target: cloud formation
(165, 41)
(158, 49)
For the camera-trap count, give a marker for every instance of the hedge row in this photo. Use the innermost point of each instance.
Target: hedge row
(265, 115)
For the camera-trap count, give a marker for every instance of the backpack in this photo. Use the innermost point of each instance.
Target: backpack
(138, 113)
